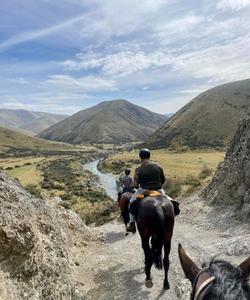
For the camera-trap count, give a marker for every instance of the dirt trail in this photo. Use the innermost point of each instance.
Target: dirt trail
(115, 265)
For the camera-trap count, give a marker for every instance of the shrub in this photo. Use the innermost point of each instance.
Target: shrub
(205, 172)
(192, 180)
(9, 168)
(173, 187)
(33, 190)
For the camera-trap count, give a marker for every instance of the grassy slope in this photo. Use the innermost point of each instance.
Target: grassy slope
(209, 120)
(14, 139)
(115, 122)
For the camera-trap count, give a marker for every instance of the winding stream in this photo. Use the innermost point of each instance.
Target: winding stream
(108, 180)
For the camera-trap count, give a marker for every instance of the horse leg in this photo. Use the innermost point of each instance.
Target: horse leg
(167, 247)
(148, 262)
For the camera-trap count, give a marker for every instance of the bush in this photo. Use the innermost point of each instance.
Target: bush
(33, 190)
(192, 180)
(9, 168)
(173, 187)
(205, 172)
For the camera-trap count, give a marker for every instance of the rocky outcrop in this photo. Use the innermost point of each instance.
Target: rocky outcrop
(37, 243)
(231, 182)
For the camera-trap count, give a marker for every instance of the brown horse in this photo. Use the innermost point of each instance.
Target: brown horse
(155, 223)
(124, 206)
(217, 280)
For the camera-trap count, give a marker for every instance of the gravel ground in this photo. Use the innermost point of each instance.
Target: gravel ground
(114, 267)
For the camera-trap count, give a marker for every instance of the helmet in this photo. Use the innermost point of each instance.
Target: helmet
(144, 154)
(127, 171)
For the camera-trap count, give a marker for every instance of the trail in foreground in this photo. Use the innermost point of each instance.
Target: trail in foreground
(116, 268)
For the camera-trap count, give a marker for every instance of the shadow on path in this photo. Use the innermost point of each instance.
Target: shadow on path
(118, 284)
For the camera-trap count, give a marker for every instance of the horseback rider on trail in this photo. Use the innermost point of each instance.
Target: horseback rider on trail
(149, 176)
(127, 182)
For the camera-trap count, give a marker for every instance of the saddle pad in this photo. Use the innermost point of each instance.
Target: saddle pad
(148, 193)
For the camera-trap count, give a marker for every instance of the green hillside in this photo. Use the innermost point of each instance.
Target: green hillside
(117, 121)
(15, 142)
(208, 121)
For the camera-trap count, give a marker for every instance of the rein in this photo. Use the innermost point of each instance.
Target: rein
(205, 285)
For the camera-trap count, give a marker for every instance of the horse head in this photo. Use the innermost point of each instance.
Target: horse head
(217, 280)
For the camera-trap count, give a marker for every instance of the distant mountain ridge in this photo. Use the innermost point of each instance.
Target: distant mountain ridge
(28, 120)
(208, 121)
(116, 121)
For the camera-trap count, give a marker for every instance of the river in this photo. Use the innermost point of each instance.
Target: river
(107, 180)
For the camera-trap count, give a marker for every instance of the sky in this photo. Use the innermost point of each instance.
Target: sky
(62, 56)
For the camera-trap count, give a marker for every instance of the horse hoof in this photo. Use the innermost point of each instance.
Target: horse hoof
(166, 286)
(148, 283)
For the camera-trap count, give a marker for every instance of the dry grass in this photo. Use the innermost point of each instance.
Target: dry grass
(27, 175)
(178, 164)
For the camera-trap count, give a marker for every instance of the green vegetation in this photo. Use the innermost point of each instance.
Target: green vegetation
(115, 122)
(15, 144)
(78, 189)
(209, 121)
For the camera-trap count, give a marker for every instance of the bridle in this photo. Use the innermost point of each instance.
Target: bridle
(198, 290)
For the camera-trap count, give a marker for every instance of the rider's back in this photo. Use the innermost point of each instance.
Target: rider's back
(151, 176)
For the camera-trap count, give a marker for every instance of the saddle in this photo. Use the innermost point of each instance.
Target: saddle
(134, 206)
(148, 193)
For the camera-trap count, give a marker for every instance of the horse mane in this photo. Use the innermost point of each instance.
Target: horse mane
(229, 282)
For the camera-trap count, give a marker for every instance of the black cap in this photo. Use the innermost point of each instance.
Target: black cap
(144, 154)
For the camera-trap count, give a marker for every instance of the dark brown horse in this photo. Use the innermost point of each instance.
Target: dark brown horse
(218, 280)
(155, 224)
(124, 206)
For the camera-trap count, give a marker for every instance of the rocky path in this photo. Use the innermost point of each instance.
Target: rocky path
(115, 265)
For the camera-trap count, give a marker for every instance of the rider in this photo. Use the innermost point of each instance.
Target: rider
(149, 176)
(127, 183)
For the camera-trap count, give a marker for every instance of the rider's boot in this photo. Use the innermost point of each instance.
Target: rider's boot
(131, 226)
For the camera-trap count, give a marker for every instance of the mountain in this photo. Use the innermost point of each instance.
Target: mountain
(14, 140)
(117, 121)
(28, 120)
(208, 121)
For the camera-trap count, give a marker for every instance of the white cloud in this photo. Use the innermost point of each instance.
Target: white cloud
(81, 84)
(232, 4)
(121, 63)
(19, 80)
(32, 35)
(219, 63)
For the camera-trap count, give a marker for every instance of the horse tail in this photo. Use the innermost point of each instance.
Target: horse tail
(157, 239)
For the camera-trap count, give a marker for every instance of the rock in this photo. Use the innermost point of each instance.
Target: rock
(35, 245)
(231, 182)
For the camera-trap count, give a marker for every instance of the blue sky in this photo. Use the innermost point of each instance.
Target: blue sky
(62, 56)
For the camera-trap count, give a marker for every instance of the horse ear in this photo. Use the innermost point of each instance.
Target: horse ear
(189, 267)
(245, 267)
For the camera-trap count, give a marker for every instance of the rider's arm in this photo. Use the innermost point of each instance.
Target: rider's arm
(136, 178)
(163, 178)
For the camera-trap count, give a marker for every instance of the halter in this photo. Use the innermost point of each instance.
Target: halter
(205, 285)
